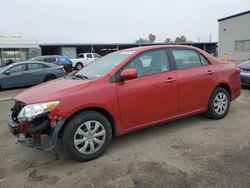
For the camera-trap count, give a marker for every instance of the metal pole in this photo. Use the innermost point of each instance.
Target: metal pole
(204, 47)
(14, 53)
(1, 56)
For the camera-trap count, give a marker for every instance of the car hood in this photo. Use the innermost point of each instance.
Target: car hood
(245, 65)
(52, 90)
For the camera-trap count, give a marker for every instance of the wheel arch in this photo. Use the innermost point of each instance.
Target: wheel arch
(49, 75)
(79, 62)
(101, 110)
(226, 87)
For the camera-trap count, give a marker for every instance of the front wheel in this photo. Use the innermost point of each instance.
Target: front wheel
(219, 104)
(87, 135)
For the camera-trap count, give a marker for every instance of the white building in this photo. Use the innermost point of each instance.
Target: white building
(234, 37)
(16, 48)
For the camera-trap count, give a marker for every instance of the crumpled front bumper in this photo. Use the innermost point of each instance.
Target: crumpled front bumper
(14, 128)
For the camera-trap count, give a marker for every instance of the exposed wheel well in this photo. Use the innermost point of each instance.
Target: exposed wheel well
(226, 87)
(97, 109)
(79, 63)
(49, 76)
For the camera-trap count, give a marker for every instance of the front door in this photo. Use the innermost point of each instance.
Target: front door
(153, 95)
(15, 76)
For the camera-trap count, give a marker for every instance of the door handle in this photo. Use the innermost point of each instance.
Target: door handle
(210, 72)
(170, 80)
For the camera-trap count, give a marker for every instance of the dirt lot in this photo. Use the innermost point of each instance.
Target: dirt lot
(192, 152)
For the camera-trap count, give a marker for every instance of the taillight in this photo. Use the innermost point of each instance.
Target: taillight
(237, 69)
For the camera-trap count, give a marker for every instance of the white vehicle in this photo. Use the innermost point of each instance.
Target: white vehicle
(84, 59)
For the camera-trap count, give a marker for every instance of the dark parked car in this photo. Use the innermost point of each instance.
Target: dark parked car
(29, 73)
(245, 74)
(122, 92)
(56, 59)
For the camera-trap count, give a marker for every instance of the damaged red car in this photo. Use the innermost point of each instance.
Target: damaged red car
(122, 92)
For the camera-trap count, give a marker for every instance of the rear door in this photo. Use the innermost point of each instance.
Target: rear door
(36, 73)
(196, 79)
(153, 95)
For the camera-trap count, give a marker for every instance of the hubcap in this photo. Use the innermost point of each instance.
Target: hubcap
(79, 66)
(220, 103)
(89, 137)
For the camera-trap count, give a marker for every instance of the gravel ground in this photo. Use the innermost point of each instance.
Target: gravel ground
(191, 152)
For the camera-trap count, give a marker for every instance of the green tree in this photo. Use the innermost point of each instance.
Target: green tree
(168, 40)
(141, 40)
(151, 38)
(181, 39)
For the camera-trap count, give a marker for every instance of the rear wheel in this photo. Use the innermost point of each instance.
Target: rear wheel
(87, 135)
(49, 77)
(79, 66)
(245, 86)
(219, 104)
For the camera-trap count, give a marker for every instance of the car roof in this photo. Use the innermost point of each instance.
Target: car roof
(151, 47)
(51, 56)
(25, 62)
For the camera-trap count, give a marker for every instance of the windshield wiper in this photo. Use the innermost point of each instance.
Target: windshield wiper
(81, 76)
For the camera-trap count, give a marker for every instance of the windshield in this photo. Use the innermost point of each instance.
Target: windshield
(104, 65)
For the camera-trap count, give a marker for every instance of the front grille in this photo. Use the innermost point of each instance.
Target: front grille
(16, 109)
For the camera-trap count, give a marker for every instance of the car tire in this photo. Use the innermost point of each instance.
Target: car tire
(49, 77)
(87, 136)
(219, 104)
(245, 87)
(79, 66)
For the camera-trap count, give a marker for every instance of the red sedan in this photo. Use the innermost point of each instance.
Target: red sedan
(121, 92)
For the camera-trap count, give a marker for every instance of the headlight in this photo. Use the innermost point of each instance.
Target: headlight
(31, 111)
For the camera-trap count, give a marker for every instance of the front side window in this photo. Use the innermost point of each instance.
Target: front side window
(150, 63)
(186, 58)
(34, 66)
(105, 64)
(17, 68)
(96, 56)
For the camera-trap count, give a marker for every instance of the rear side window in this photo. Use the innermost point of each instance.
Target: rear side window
(50, 59)
(81, 55)
(34, 66)
(186, 58)
(204, 61)
(89, 55)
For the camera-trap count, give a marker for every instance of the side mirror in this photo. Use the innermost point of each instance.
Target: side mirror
(7, 72)
(128, 74)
